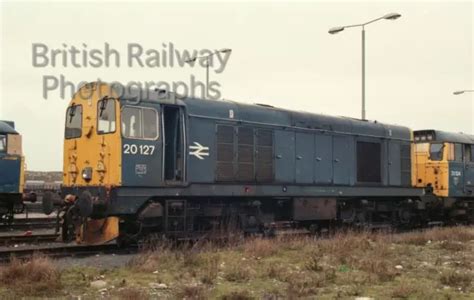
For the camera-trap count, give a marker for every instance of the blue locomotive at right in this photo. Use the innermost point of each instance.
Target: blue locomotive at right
(11, 171)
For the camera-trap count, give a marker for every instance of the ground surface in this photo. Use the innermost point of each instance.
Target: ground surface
(434, 264)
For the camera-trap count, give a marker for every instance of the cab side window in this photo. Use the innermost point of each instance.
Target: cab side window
(436, 151)
(73, 122)
(458, 152)
(467, 153)
(105, 116)
(3, 143)
(139, 123)
(131, 122)
(150, 124)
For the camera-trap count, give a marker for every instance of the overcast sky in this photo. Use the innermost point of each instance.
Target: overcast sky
(282, 55)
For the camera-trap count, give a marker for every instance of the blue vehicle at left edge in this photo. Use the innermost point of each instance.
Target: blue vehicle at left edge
(12, 172)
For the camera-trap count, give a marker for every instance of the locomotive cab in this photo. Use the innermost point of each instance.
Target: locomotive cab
(112, 141)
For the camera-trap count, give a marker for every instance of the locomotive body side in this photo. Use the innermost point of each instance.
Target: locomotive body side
(179, 166)
(268, 151)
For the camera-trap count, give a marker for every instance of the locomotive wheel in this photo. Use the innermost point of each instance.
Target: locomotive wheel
(314, 229)
(84, 204)
(47, 203)
(7, 218)
(68, 230)
(123, 241)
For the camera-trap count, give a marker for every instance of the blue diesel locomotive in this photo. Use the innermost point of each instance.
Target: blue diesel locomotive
(161, 163)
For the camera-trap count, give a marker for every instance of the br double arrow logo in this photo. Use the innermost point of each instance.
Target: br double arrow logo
(198, 150)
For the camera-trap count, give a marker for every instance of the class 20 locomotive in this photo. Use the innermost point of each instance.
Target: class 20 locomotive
(11, 172)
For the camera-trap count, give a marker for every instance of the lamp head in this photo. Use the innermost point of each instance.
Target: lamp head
(392, 16)
(335, 30)
(190, 60)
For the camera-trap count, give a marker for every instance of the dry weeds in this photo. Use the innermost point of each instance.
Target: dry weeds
(131, 293)
(208, 266)
(238, 273)
(449, 234)
(403, 291)
(260, 248)
(305, 265)
(237, 295)
(343, 265)
(36, 276)
(192, 292)
(456, 279)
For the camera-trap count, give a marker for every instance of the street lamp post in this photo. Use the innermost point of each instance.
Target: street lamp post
(462, 92)
(334, 30)
(193, 59)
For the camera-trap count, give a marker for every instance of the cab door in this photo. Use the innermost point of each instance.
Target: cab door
(173, 144)
(469, 169)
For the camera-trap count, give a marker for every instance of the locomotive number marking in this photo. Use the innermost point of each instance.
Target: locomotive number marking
(138, 149)
(455, 173)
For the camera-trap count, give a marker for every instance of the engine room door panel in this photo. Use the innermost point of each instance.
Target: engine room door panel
(284, 156)
(323, 159)
(342, 160)
(394, 164)
(304, 157)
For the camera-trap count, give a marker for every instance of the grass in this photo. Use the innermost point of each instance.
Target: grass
(455, 278)
(130, 294)
(436, 263)
(37, 276)
(404, 290)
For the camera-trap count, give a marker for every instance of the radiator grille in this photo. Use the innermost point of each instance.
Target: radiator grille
(225, 153)
(405, 161)
(264, 155)
(244, 154)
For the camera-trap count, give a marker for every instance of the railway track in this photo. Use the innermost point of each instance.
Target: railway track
(61, 250)
(65, 251)
(32, 208)
(7, 240)
(29, 223)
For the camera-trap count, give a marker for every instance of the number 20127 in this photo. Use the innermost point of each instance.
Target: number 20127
(138, 149)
